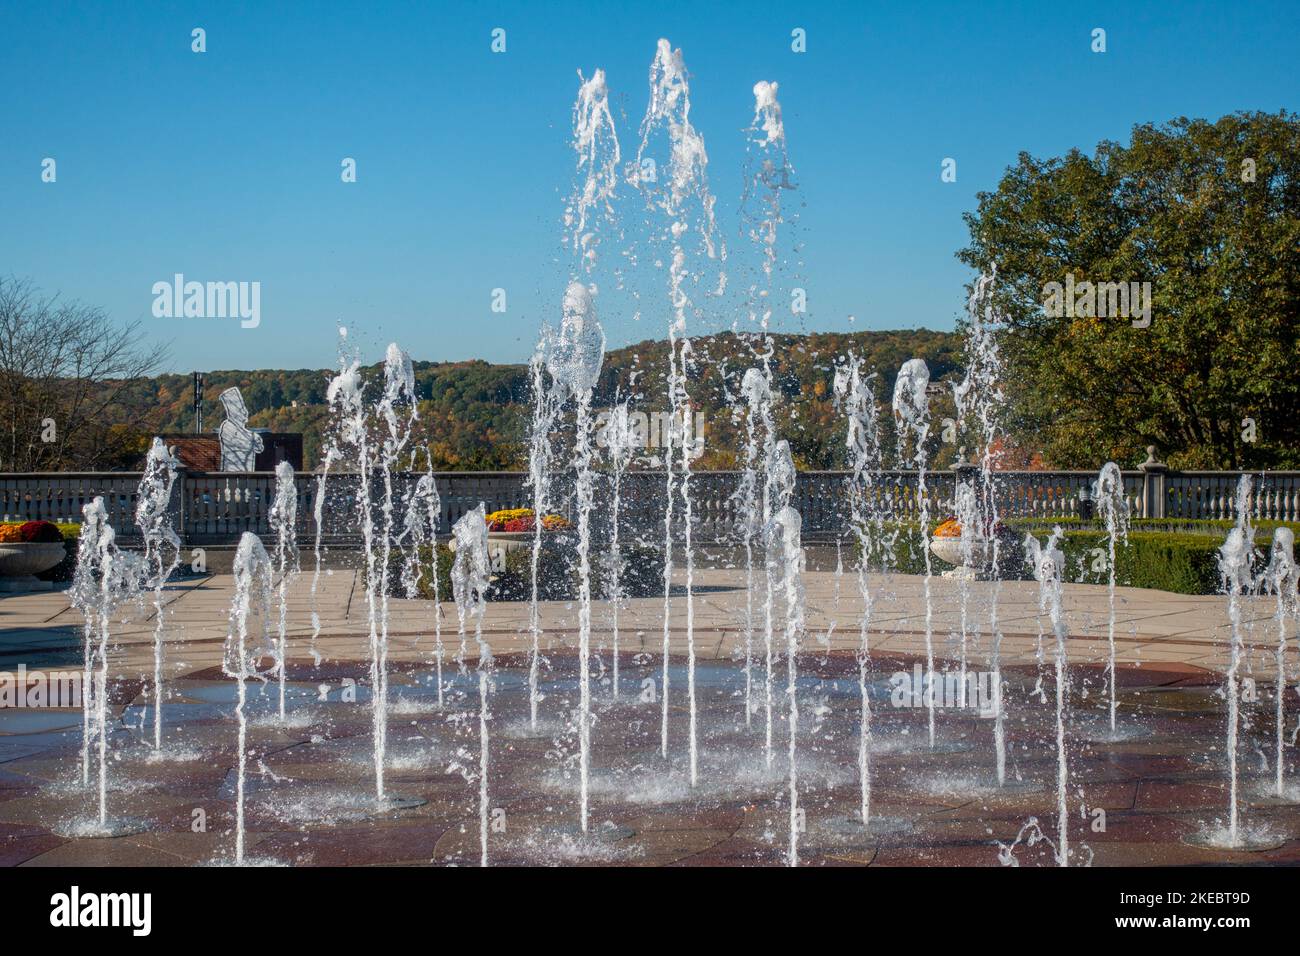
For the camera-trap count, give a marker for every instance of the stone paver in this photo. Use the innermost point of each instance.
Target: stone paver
(310, 778)
(1150, 625)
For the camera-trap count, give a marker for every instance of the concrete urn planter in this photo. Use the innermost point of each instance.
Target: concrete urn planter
(949, 551)
(501, 543)
(21, 561)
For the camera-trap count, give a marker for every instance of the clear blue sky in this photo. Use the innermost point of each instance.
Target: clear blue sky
(225, 165)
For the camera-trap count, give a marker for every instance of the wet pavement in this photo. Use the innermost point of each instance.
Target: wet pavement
(311, 800)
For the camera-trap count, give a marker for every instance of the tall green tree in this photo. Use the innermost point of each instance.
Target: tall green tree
(1209, 214)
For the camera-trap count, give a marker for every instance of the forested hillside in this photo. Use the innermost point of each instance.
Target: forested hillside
(474, 415)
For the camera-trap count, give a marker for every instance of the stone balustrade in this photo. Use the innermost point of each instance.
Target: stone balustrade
(217, 507)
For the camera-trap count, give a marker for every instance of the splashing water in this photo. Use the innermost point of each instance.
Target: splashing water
(469, 582)
(574, 356)
(854, 392)
(688, 524)
(283, 520)
(1030, 834)
(318, 513)
(787, 560)
(420, 530)
(1113, 509)
(966, 504)
(84, 595)
(346, 398)
(756, 391)
(686, 203)
(777, 493)
(252, 572)
(1048, 563)
(546, 401)
(1281, 576)
(1235, 576)
(767, 113)
(767, 177)
(331, 454)
(162, 554)
(912, 409)
(620, 445)
(595, 140)
(574, 362)
(979, 399)
(399, 388)
(105, 578)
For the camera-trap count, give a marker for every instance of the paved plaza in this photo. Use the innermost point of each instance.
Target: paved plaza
(1151, 626)
(1139, 797)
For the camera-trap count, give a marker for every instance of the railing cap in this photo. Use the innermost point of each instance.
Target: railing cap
(1151, 464)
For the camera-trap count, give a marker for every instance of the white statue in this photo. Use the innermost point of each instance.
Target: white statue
(239, 443)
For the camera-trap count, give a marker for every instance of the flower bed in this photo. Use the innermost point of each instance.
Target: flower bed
(38, 532)
(518, 520)
(35, 532)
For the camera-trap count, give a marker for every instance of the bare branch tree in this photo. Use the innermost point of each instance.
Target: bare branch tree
(64, 364)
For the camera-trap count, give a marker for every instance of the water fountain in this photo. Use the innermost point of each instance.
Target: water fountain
(161, 555)
(399, 389)
(620, 445)
(768, 176)
(106, 578)
(1236, 559)
(1112, 506)
(966, 504)
(345, 395)
(786, 558)
(420, 520)
(755, 505)
(252, 595)
(1048, 563)
(283, 521)
(333, 452)
(854, 392)
(979, 399)
(573, 362)
(687, 205)
(330, 455)
(469, 582)
(1281, 576)
(546, 401)
(912, 410)
(84, 596)
(778, 490)
(827, 697)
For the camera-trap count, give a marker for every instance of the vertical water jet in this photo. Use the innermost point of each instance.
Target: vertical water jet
(470, 573)
(283, 521)
(912, 410)
(161, 555)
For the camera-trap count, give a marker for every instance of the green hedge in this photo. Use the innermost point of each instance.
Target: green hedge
(1263, 528)
(1165, 555)
(557, 581)
(642, 576)
(1183, 561)
(424, 585)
